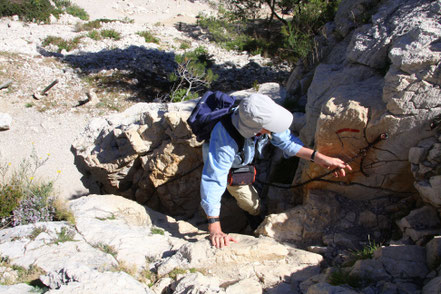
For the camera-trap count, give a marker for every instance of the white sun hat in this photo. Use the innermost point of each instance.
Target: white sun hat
(257, 112)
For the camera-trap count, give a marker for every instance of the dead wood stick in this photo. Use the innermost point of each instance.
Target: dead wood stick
(45, 90)
(6, 84)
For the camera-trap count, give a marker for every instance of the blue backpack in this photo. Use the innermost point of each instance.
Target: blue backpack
(212, 108)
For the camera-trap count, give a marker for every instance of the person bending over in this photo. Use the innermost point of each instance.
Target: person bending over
(258, 119)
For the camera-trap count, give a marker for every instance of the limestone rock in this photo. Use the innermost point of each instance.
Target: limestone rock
(433, 252)
(383, 77)
(325, 288)
(421, 224)
(425, 158)
(52, 240)
(124, 226)
(17, 288)
(303, 223)
(247, 286)
(251, 257)
(433, 286)
(84, 280)
(403, 262)
(198, 284)
(370, 269)
(137, 152)
(5, 121)
(351, 13)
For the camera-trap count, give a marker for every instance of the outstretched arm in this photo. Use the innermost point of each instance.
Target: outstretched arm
(325, 161)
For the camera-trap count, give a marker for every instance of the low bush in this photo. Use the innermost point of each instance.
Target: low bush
(111, 34)
(148, 37)
(94, 35)
(24, 199)
(28, 10)
(228, 32)
(62, 44)
(285, 37)
(40, 10)
(77, 11)
(88, 26)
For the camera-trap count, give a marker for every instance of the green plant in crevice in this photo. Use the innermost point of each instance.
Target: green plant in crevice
(24, 275)
(65, 235)
(367, 252)
(37, 231)
(157, 231)
(175, 272)
(107, 249)
(341, 276)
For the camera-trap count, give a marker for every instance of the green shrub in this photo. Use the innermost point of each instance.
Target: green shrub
(24, 199)
(148, 37)
(175, 272)
(280, 37)
(111, 34)
(157, 231)
(88, 26)
(185, 45)
(77, 11)
(192, 75)
(228, 33)
(10, 197)
(94, 35)
(62, 3)
(40, 10)
(28, 10)
(67, 45)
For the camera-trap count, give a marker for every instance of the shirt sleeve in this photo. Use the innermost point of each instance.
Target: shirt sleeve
(287, 142)
(220, 157)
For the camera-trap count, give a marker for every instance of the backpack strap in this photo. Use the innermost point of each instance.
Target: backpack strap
(234, 133)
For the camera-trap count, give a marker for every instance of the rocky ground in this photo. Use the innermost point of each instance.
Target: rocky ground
(99, 77)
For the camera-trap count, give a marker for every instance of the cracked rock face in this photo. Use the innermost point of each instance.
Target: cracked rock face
(383, 77)
(136, 153)
(119, 246)
(425, 158)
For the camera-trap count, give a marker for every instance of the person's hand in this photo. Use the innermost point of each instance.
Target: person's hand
(218, 238)
(332, 163)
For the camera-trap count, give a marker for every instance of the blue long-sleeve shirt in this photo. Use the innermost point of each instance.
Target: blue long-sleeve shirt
(222, 153)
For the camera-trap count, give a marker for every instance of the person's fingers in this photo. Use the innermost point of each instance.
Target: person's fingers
(232, 239)
(227, 240)
(221, 242)
(213, 241)
(342, 172)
